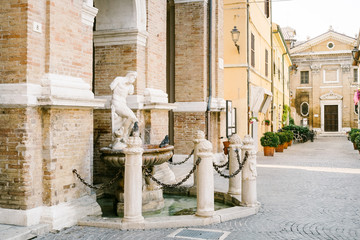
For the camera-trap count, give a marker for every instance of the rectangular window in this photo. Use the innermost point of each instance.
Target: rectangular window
(252, 50)
(266, 63)
(356, 75)
(304, 77)
(267, 8)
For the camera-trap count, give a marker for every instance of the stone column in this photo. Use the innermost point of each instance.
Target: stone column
(200, 136)
(235, 182)
(133, 181)
(248, 184)
(205, 180)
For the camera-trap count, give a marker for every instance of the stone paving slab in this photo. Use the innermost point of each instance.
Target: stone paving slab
(299, 199)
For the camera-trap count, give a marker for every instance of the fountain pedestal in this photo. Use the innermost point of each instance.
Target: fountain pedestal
(152, 195)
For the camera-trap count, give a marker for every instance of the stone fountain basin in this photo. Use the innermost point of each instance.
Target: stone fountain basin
(152, 155)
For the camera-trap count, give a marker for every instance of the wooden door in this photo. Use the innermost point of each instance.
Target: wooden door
(331, 119)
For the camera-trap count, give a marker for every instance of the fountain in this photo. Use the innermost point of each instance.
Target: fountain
(125, 124)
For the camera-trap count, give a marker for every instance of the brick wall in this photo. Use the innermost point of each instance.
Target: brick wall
(20, 158)
(190, 52)
(13, 31)
(156, 44)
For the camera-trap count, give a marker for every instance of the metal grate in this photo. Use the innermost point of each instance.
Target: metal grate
(199, 234)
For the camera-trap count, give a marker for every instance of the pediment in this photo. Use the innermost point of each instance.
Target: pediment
(319, 44)
(331, 96)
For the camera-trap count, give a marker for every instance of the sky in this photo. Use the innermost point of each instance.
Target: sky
(311, 18)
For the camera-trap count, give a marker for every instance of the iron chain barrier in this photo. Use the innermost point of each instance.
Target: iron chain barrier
(94, 187)
(147, 173)
(241, 165)
(179, 163)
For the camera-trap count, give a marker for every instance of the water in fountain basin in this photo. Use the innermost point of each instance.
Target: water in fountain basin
(174, 205)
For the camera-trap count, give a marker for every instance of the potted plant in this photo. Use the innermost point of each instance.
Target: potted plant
(253, 119)
(357, 142)
(282, 139)
(267, 122)
(290, 136)
(352, 138)
(269, 141)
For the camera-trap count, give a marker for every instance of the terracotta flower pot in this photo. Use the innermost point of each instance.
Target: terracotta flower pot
(285, 145)
(280, 148)
(269, 151)
(290, 143)
(226, 147)
(355, 148)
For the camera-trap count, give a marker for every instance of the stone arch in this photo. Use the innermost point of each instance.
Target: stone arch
(121, 14)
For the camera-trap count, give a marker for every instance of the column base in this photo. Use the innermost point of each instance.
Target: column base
(58, 216)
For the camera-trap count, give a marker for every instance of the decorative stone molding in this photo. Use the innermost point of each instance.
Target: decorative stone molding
(190, 107)
(345, 67)
(315, 68)
(62, 90)
(189, 1)
(57, 216)
(152, 95)
(56, 90)
(331, 96)
(235, 139)
(217, 104)
(88, 13)
(120, 37)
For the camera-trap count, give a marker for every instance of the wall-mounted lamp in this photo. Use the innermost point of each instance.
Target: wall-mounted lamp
(235, 34)
(355, 54)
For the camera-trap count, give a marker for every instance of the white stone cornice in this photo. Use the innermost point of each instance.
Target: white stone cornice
(88, 13)
(120, 37)
(189, 1)
(55, 90)
(190, 106)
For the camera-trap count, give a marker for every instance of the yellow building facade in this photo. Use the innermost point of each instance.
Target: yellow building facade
(248, 70)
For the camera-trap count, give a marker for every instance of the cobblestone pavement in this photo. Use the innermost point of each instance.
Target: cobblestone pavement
(311, 191)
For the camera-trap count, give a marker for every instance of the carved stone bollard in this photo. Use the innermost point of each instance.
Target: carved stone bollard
(205, 179)
(235, 182)
(200, 136)
(249, 174)
(133, 181)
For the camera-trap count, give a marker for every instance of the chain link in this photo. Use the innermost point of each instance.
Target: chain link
(147, 173)
(188, 157)
(224, 165)
(94, 187)
(241, 165)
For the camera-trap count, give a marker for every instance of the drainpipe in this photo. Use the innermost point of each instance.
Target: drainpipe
(248, 66)
(272, 69)
(208, 113)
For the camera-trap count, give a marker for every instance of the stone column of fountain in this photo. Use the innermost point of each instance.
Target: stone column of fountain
(133, 180)
(235, 182)
(249, 174)
(205, 179)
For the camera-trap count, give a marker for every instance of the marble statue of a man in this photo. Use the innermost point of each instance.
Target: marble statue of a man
(123, 118)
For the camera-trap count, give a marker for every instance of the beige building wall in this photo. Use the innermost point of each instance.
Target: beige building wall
(238, 68)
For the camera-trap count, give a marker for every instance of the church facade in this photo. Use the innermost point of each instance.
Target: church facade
(324, 83)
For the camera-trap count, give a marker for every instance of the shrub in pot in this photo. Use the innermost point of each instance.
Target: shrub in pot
(282, 139)
(269, 141)
(357, 142)
(290, 136)
(352, 138)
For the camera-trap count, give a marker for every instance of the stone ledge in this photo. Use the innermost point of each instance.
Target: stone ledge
(219, 216)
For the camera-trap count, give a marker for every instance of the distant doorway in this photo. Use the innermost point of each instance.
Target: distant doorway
(331, 118)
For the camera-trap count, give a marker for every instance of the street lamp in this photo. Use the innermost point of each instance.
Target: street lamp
(235, 34)
(355, 54)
